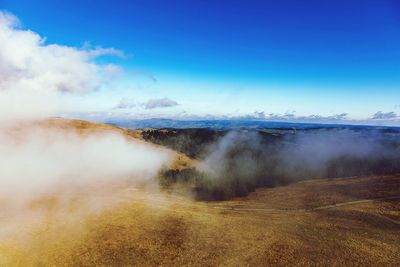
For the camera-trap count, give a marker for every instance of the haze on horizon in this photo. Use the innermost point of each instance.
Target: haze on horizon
(330, 62)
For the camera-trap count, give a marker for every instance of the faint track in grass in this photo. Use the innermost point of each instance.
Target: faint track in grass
(325, 207)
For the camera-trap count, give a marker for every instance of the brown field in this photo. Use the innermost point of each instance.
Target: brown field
(292, 225)
(340, 222)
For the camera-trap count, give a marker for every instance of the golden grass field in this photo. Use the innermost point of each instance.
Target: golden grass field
(340, 222)
(123, 226)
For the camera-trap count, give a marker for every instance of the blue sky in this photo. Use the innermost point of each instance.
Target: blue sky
(234, 58)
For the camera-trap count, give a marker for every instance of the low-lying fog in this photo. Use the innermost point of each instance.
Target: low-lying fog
(239, 161)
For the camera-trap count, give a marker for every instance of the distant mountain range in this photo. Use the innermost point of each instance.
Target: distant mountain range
(232, 124)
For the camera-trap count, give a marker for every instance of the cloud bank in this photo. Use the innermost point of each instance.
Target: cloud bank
(290, 116)
(378, 118)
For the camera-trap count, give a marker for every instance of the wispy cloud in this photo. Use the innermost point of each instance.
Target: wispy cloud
(98, 51)
(126, 103)
(384, 116)
(160, 103)
(129, 103)
(335, 117)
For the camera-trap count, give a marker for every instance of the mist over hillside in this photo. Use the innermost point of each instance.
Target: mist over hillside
(235, 162)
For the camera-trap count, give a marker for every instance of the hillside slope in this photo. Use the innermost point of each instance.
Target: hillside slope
(327, 222)
(86, 128)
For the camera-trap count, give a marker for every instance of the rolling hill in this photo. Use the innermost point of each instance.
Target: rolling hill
(351, 221)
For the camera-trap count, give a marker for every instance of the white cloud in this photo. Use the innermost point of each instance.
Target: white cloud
(35, 76)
